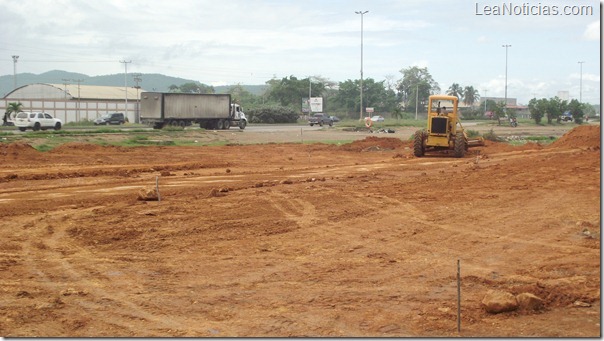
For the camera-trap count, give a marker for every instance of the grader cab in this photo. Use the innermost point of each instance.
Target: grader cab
(444, 130)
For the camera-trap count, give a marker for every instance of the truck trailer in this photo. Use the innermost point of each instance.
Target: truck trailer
(210, 111)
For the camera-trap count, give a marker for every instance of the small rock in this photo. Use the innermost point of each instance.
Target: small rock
(528, 301)
(581, 304)
(286, 182)
(148, 194)
(495, 302)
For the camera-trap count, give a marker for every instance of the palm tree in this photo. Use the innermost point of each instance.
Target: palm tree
(10, 109)
(470, 95)
(455, 90)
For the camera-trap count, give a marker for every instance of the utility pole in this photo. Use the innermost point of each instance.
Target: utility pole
(15, 58)
(137, 79)
(126, 83)
(361, 110)
(485, 100)
(581, 83)
(506, 76)
(416, 99)
(65, 83)
(79, 98)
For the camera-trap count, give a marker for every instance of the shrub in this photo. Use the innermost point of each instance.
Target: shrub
(273, 114)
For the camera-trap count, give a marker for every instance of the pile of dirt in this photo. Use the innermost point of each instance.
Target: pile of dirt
(504, 147)
(17, 149)
(586, 136)
(372, 143)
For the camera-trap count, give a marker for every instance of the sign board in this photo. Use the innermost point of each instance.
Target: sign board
(316, 104)
(305, 105)
(370, 110)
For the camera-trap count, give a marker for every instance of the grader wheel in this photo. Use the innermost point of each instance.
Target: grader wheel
(418, 144)
(460, 145)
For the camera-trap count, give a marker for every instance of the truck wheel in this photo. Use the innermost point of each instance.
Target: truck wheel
(36, 126)
(158, 125)
(182, 124)
(460, 145)
(242, 124)
(220, 124)
(227, 124)
(418, 144)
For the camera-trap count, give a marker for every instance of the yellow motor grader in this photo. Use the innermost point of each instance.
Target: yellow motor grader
(444, 131)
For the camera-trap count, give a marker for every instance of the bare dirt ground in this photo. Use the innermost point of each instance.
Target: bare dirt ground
(284, 239)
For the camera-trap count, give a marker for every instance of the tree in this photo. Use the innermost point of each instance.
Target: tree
(455, 90)
(538, 108)
(12, 108)
(290, 91)
(192, 88)
(577, 110)
(555, 109)
(470, 95)
(415, 87)
(499, 111)
(375, 94)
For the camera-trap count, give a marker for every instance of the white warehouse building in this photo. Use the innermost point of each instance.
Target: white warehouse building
(75, 103)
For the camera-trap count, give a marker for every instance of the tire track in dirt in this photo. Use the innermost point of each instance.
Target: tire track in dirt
(116, 305)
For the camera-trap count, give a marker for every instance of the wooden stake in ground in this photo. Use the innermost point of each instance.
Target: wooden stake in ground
(157, 188)
(458, 297)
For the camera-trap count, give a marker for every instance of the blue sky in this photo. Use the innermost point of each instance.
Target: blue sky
(250, 42)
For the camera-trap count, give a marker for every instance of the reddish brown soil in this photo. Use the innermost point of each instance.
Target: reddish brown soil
(282, 240)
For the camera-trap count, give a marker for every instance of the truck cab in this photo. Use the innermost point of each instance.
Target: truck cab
(238, 115)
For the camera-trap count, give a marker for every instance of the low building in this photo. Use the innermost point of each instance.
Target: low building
(76, 102)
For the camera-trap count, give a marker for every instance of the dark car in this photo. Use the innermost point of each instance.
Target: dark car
(320, 119)
(111, 118)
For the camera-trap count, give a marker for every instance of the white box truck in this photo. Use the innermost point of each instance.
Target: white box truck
(210, 111)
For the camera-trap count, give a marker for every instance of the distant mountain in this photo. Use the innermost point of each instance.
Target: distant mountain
(149, 81)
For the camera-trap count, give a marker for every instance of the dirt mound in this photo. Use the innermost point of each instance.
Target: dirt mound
(372, 143)
(586, 136)
(85, 147)
(17, 149)
(504, 147)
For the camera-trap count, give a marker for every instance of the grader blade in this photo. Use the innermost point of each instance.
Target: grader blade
(475, 142)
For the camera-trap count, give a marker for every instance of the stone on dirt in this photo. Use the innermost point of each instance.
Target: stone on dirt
(496, 302)
(148, 194)
(528, 301)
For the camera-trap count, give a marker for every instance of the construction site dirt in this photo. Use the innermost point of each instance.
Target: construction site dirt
(360, 239)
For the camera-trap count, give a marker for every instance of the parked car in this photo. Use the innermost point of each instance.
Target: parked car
(567, 116)
(37, 121)
(320, 119)
(334, 118)
(110, 118)
(377, 118)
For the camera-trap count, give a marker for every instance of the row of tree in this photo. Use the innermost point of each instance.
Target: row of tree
(408, 94)
(553, 108)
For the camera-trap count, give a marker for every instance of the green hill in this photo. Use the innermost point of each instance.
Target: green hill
(149, 81)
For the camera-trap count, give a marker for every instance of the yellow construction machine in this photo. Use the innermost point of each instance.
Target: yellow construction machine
(444, 131)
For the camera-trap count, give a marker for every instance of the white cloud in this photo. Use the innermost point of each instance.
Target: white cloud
(592, 32)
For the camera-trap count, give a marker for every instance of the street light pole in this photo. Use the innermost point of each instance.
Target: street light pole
(15, 71)
(581, 83)
(506, 75)
(126, 83)
(416, 99)
(361, 109)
